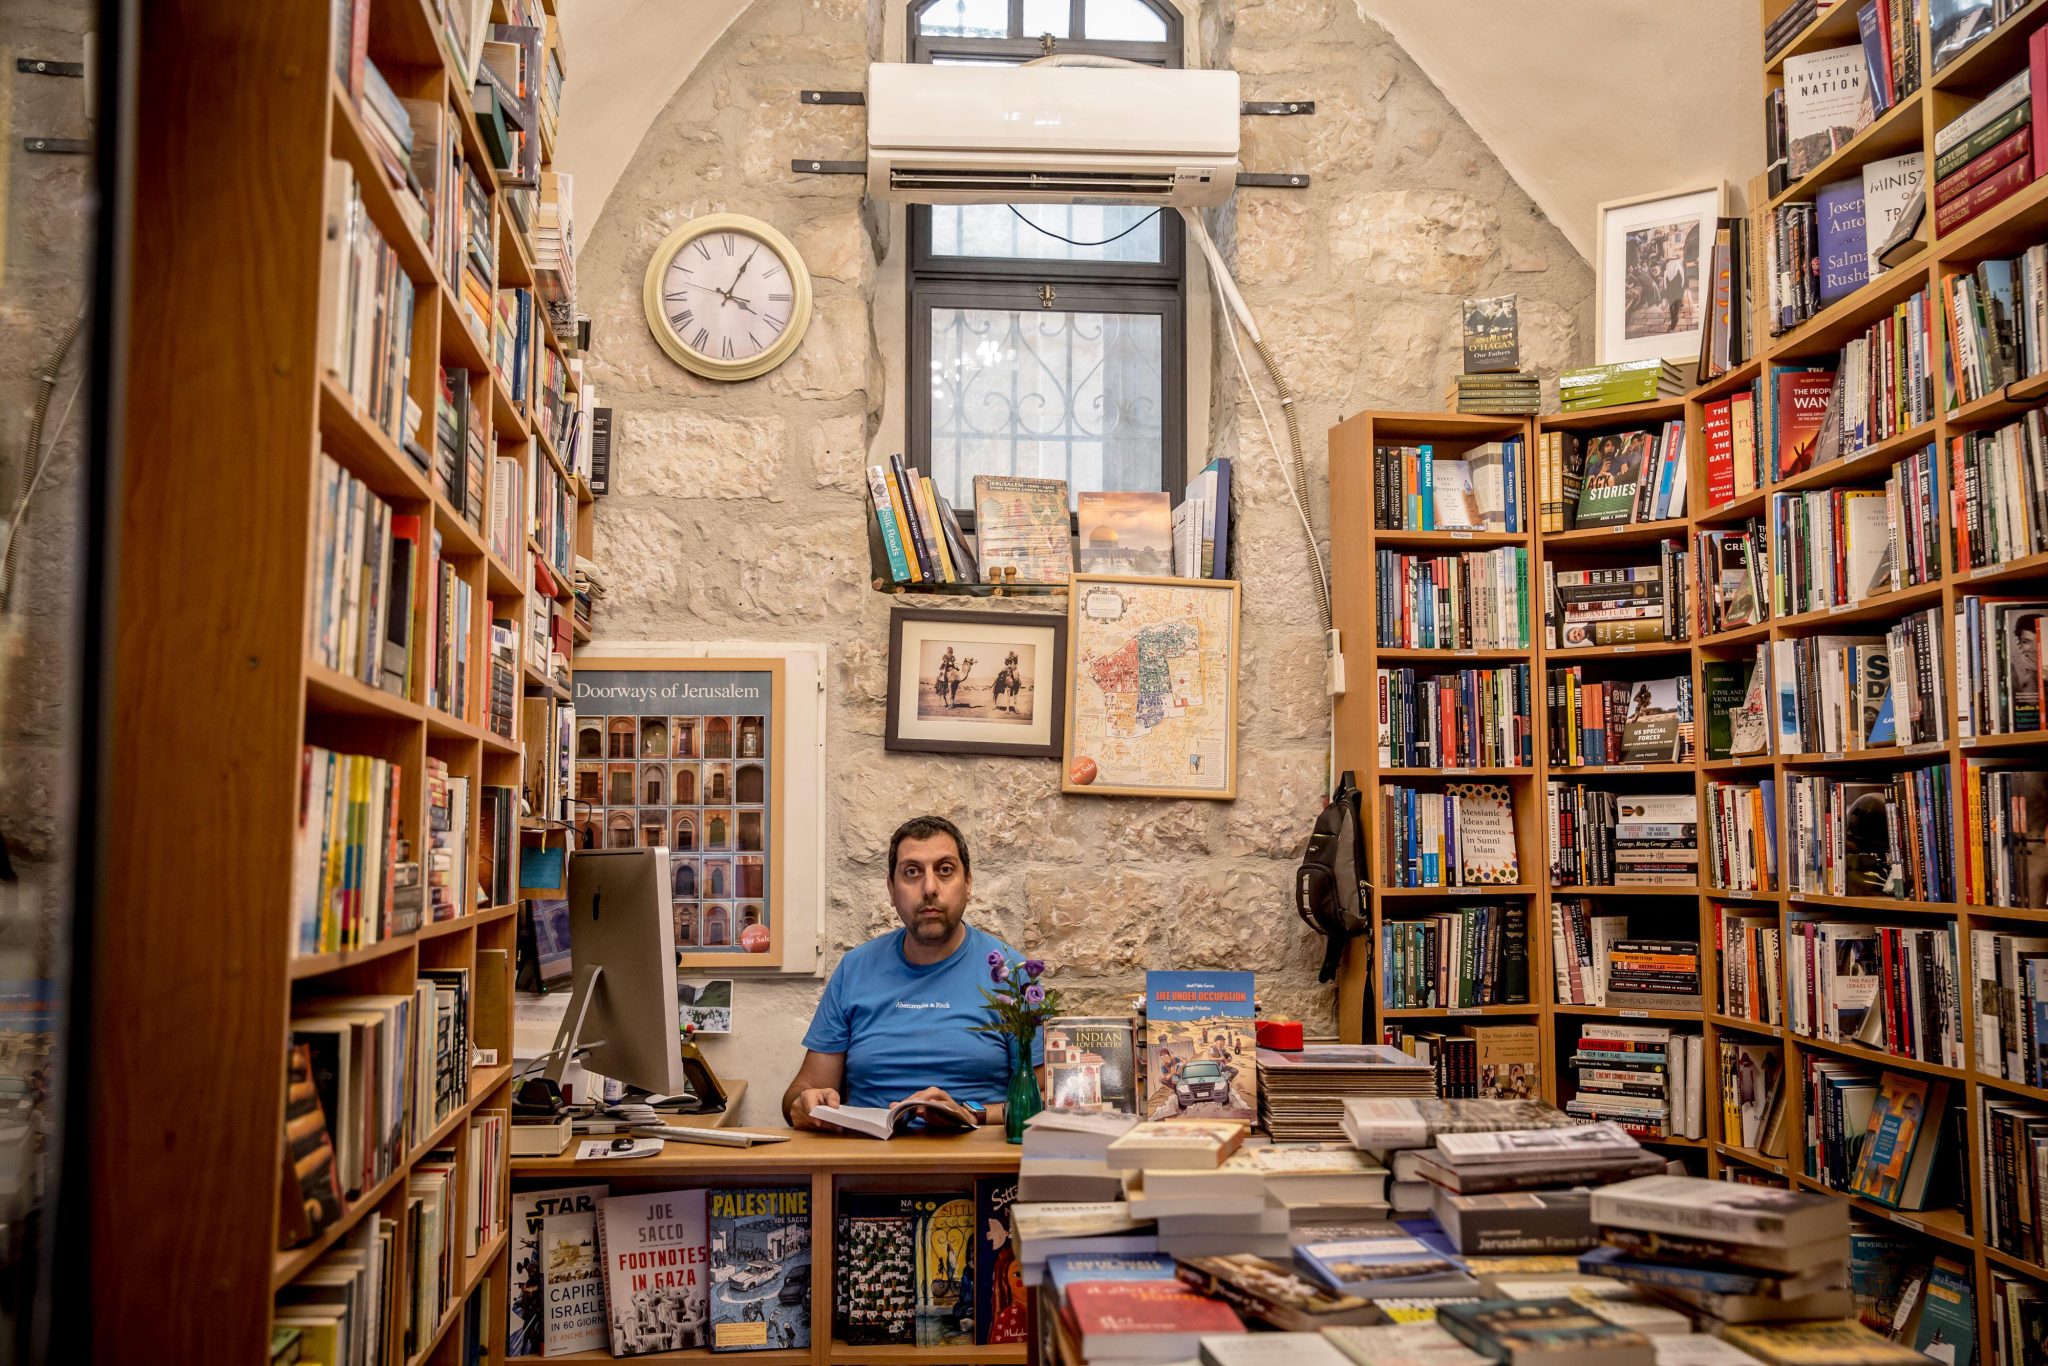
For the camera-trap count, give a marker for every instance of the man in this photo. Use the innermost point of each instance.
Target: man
(893, 1022)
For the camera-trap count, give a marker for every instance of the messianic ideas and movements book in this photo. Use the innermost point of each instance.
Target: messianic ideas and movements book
(760, 1269)
(526, 1326)
(1021, 528)
(1199, 1046)
(655, 1251)
(1492, 336)
(1091, 1063)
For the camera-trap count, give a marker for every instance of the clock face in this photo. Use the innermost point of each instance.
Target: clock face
(727, 296)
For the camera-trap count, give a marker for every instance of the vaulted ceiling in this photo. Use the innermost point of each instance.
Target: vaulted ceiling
(1582, 100)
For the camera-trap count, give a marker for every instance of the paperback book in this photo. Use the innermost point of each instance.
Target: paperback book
(1199, 1046)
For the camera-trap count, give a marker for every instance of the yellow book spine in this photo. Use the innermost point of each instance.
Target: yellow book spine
(928, 504)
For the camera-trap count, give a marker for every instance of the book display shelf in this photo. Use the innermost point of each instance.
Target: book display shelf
(228, 595)
(1965, 1227)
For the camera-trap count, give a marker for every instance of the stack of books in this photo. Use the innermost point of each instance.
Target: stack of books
(1742, 830)
(1790, 22)
(1630, 477)
(1513, 394)
(1465, 956)
(1610, 839)
(1174, 1175)
(1460, 836)
(1066, 1156)
(1478, 600)
(1629, 381)
(1746, 946)
(1424, 488)
(1402, 1135)
(1656, 974)
(1621, 605)
(1579, 944)
(1127, 1310)
(1887, 838)
(1041, 1230)
(1644, 1078)
(1983, 156)
(920, 540)
(1618, 721)
(1734, 448)
(1882, 986)
(2000, 800)
(1736, 1255)
(1302, 1095)
(1477, 1062)
(1473, 718)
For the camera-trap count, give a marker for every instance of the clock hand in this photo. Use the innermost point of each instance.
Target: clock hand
(743, 270)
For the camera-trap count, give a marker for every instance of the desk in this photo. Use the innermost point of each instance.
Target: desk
(828, 1163)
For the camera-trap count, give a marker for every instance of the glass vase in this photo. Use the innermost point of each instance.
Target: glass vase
(1024, 1100)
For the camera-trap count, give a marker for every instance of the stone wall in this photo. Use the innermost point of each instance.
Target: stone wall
(739, 511)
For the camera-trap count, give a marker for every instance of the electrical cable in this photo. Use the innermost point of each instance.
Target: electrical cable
(32, 461)
(7, 555)
(1071, 242)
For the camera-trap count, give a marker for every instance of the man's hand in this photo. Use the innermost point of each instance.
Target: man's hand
(800, 1108)
(936, 1099)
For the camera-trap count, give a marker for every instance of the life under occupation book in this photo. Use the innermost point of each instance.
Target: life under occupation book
(1199, 1046)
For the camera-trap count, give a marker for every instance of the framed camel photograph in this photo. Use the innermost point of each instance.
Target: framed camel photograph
(976, 682)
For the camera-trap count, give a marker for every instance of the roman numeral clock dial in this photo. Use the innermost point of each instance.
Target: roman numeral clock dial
(727, 297)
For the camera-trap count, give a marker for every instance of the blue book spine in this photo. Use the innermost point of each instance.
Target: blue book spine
(1219, 563)
(1844, 250)
(1877, 67)
(1615, 1264)
(1511, 479)
(1425, 496)
(885, 518)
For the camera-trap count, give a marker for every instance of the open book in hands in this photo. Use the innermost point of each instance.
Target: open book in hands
(876, 1121)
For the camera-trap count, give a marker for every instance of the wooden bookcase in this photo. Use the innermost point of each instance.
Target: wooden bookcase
(227, 407)
(2007, 229)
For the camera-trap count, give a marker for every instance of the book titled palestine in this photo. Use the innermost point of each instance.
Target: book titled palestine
(1091, 1063)
(760, 1269)
(1199, 1047)
(1492, 336)
(655, 1252)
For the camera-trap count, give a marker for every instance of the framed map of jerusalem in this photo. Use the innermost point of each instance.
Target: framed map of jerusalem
(1151, 687)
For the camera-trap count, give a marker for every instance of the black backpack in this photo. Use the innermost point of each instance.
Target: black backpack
(1330, 886)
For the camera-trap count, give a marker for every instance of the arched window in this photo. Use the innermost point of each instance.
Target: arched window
(716, 791)
(750, 737)
(1091, 386)
(619, 830)
(749, 915)
(621, 731)
(589, 740)
(682, 878)
(718, 738)
(686, 924)
(654, 737)
(717, 925)
(654, 775)
(619, 785)
(714, 881)
(715, 833)
(686, 833)
(686, 737)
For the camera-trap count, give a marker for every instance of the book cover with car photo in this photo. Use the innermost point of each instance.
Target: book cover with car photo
(1200, 1050)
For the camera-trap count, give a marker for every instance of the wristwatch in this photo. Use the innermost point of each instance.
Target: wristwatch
(978, 1111)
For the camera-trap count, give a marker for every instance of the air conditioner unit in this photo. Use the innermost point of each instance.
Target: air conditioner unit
(1048, 134)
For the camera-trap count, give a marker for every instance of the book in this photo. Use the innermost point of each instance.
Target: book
(942, 1232)
(1390, 1124)
(1021, 529)
(1091, 1063)
(1000, 1305)
(1199, 1058)
(1517, 1222)
(1305, 1348)
(311, 1198)
(1410, 1258)
(1265, 1291)
(887, 1121)
(1800, 411)
(573, 1284)
(1614, 471)
(1144, 1320)
(1126, 533)
(1946, 1329)
(1827, 102)
(1515, 1332)
(526, 1323)
(1492, 336)
(1844, 246)
(1402, 1344)
(760, 1273)
(1726, 1211)
(1891, 187)
(874, 1298)
(1823, 1342)
(1905, 1140)
(654, 1249)
(1176, 1142)
(1953, 25)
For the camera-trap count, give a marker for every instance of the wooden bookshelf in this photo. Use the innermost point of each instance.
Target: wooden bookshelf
(228, 407)
(2006, 230)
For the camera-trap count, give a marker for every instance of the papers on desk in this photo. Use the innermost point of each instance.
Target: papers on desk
(591, 1150)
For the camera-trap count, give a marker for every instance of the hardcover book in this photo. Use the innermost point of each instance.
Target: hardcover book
(1800, 412)
(1651, 734)
(1091, 1063)
(574, 1287)
(1271, 1293)
(1613, 471)
(1904, 1140)
(1165, 1317)
(1492, 336)
(1890, 188)
(1519, 1331)
(1821, 1342)
(1844, 243)
(874, 1273)
(1486, 835)
(1199, 1046)
(760, 1269)
(526, 1329)
(1410, 1258)
(1126, 533)
(1021, 527)
(1725, 1211)
(1827, 102)
(656, 1257)
(999, 1300)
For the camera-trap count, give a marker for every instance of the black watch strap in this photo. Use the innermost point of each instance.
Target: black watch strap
(979, 1111)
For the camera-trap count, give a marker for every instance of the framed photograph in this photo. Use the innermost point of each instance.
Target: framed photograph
(1651, 296)
(1151, 687)
(976, 682)
(694, 751)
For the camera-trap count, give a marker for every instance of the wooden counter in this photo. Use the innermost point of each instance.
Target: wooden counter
(827, 1163)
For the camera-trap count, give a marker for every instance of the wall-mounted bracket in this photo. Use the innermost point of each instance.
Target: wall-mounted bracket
(1268, 180)
(40, 66)
(1278, 108)
(57, 146)
(803, 166)
(831, 97)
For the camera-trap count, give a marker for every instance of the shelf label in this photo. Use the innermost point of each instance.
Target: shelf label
(1635, 1014)
(1842, 607)
(1983, 571)
(1833, 756)
(1738, 762)
(1910, 1223)
(1926, 747)
(1624, 768)
(1461, 535)
(1455, 768)
(1624, 649)
(1465, 654)
(1617, 530)
(1466, 1010)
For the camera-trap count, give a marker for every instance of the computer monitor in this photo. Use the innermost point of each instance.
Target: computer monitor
(623, 1010)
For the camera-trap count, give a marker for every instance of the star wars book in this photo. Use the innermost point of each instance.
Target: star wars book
(657, 1272)
(526, 1325)
(1091, 1063)
(760, 1269)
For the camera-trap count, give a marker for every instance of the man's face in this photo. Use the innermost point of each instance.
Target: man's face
(930, 888)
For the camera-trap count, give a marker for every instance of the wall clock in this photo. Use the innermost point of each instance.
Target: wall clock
(727, 296)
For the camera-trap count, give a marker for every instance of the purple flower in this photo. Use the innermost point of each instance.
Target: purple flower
(995, 958)
(1035, 994)
(1034, 967)
(1000, 972)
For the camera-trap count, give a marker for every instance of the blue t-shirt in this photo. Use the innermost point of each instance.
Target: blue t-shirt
(904, 1027)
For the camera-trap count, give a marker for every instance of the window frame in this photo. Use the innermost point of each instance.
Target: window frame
(1167, 300)
(1161, 287)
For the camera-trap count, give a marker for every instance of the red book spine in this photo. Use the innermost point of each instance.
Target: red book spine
(1996, 190)
(1720, 453)
(2037, 85)
(1997, 158)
